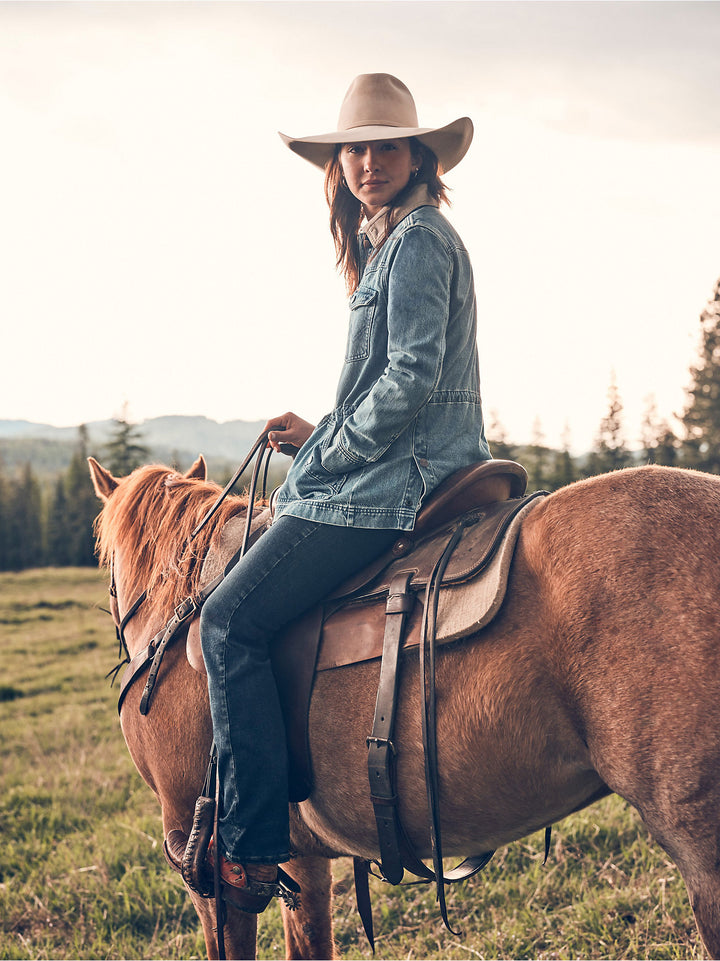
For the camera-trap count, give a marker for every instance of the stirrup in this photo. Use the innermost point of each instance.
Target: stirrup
(254, 896)
(284, 887)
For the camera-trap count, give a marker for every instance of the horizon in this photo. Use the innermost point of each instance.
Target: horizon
(575, 452)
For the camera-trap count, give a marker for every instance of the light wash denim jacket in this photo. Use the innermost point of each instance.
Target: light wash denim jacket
(408, 409)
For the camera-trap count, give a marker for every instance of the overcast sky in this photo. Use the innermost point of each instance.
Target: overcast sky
(160, 247)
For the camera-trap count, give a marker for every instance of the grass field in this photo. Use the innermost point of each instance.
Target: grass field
(81, 868)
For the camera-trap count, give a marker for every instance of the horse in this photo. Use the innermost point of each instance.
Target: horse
(599, 674)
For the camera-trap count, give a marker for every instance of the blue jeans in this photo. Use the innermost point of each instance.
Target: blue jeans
(293, 566)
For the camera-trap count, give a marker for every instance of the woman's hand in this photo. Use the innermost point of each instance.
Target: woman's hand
(288, 429)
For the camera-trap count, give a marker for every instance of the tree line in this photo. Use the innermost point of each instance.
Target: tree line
(694, 444)
(54, 526)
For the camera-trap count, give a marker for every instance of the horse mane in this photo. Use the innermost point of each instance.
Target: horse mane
(149, 518)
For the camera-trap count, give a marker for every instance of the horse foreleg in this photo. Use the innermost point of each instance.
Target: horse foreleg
(705, 900)
(240, 930)
(308, 929)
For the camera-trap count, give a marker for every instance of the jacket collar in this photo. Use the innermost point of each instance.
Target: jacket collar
(388, 218)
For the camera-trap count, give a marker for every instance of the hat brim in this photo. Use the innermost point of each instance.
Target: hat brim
(449, 143)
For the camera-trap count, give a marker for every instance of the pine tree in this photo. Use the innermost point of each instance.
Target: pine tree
(667, 449)
(497, 439)
(24, 523)
(649, 430)
(610, 449)
(564, 471)
(57, 539)
(701, 420)
(124, 452)
(660, 445)
(537, 454)
(82, 506)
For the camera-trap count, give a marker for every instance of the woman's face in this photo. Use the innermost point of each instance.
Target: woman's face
(377, 171)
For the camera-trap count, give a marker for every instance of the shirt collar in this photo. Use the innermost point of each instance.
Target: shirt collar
(389, 217)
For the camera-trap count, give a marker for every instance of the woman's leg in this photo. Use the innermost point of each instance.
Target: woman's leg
(293, 566)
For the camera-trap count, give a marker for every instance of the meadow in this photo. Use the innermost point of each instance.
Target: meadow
(82, 873)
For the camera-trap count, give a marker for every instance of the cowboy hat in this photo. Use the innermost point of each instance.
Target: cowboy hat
(378, 106)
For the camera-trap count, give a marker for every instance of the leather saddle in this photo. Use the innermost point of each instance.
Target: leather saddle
(487, 500)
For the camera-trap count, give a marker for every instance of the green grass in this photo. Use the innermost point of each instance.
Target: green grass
(82, 873)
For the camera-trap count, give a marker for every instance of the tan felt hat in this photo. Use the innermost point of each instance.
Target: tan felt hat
(378, 106)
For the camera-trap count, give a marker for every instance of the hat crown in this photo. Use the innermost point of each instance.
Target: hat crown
(377, 99)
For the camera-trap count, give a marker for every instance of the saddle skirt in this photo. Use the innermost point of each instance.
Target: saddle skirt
(473, 587)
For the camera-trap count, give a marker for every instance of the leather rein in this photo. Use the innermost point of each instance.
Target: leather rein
(190, 606)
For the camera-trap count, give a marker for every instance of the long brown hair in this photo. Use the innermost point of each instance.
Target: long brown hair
(346, 213)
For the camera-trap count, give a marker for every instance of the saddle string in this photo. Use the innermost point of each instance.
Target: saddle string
(396, 850)
(429, 714)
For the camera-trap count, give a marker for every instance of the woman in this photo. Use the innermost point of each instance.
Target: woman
(407, 415)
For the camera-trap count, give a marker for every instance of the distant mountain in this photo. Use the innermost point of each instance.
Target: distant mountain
(199, 435)
(171, 439)
(26, 428)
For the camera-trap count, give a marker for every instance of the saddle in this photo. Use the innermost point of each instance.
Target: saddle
(483, 501)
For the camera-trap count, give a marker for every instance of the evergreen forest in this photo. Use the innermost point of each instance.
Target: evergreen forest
(50, 522)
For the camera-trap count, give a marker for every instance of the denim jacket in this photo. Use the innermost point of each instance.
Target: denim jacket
(408, 410)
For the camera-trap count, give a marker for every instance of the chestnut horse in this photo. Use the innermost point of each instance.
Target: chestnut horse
(601, 673)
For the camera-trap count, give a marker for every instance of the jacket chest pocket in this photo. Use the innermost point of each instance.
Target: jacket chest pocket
(363, 305)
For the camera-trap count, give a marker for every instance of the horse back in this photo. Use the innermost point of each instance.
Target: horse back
(627, 576)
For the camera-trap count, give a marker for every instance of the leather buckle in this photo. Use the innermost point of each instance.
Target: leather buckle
(185, 609)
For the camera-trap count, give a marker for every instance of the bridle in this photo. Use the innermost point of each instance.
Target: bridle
(122, 622)
(190, 605)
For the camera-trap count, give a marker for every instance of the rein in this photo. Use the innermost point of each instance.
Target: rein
(189, 606)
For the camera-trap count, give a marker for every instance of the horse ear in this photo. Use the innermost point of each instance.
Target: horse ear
(198, 471)
(103, 481)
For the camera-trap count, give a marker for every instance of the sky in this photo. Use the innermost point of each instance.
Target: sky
(162, 252)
